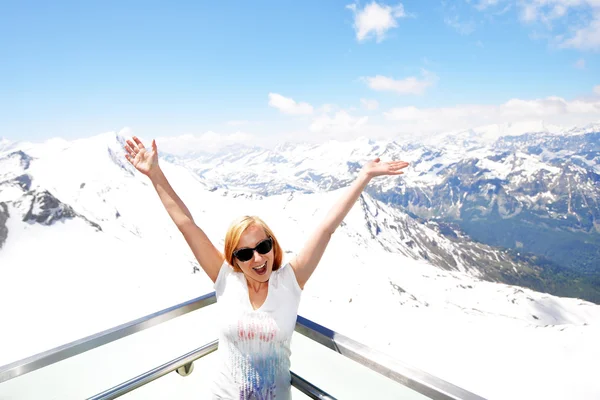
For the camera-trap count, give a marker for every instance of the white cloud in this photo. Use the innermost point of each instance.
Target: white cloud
(327, 108)
(370, 104)
(554, 110)
(464, 28)
(340, 123)
(504, 10)
(331, 121)
(375, 20)
(483, 4)
(557, 11)
(533, 108)
(580, 64)
(586, 37)
(572, 23)
(288, 106)
(410, 85)
(205, 142)
(529, 13)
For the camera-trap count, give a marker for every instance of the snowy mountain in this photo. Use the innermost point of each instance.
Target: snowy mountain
(5, 144)
(77, 222)
(535, 194)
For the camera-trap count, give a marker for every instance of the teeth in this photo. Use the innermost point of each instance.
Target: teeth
(259, 267)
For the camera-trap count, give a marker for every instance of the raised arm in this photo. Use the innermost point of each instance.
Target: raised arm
(306, 261)
(146, 161)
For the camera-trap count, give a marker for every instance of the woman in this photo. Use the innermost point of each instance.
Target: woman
(257, 297)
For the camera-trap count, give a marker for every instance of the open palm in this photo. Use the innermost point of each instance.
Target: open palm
(144, 160)
(377, 168)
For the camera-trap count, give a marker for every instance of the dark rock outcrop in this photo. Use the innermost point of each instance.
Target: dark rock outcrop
(3, 218)
(46, 209)
(23, 159)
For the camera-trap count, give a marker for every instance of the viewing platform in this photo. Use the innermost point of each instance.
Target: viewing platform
(176, 346)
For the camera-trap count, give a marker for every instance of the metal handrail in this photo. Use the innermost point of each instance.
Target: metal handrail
(309, 389)
(413, 378)
(298, 382)
(156, 373)
(37, 361)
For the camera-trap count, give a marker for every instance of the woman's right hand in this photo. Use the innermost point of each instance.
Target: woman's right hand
(144, 160)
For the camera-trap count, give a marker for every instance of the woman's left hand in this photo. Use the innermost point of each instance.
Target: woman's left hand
(377, 168)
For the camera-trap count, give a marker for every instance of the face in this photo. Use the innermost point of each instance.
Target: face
(251, 237)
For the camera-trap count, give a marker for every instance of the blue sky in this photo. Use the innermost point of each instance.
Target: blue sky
(315, 69)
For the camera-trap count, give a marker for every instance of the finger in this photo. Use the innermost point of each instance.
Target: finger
(396, 167)
(133, 147)
(129, 158)
(154, 145)
(395, 164)
(399, 166)
(138, 142)
(129, 149)
(397, 172)
(377, 160)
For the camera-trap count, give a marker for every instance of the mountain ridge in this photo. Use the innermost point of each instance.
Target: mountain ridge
(407, 286)
(506, 193)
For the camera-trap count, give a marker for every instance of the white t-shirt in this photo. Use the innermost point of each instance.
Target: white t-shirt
(254, 345)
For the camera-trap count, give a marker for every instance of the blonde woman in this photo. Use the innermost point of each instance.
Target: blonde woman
(257, 297)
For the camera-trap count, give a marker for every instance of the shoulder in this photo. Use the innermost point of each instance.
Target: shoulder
(287, 276)
(225, 271)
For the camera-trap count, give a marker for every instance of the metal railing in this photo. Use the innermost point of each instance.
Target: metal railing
(413, 378)
(309, 389)
(68, 350)
(186, 362)
(156, 373)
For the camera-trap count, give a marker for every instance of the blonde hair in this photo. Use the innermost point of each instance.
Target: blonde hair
(234, 233)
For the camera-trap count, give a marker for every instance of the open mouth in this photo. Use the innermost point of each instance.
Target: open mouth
(261, 269)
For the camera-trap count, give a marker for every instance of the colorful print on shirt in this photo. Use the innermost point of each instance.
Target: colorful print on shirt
(258, 356)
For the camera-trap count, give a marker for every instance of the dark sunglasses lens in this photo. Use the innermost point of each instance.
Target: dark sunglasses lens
(244, 254)
(262, 248)
(265, 246)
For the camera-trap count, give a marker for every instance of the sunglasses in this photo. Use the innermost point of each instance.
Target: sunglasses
(246, 253)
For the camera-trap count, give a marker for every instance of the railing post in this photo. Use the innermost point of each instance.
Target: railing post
(186, 369)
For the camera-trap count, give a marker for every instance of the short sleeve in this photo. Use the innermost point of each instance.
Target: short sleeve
(224, 272)
(288, 278)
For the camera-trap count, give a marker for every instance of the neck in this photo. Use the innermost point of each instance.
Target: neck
(256, 285)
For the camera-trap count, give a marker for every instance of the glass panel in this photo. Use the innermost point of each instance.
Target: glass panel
(195, 386)
(341, 377)
(337, 375)
(100, 369)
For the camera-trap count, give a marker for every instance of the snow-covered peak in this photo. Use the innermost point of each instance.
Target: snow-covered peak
(111, 140)
(5, 145)
(590, 128)
(488, 134)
